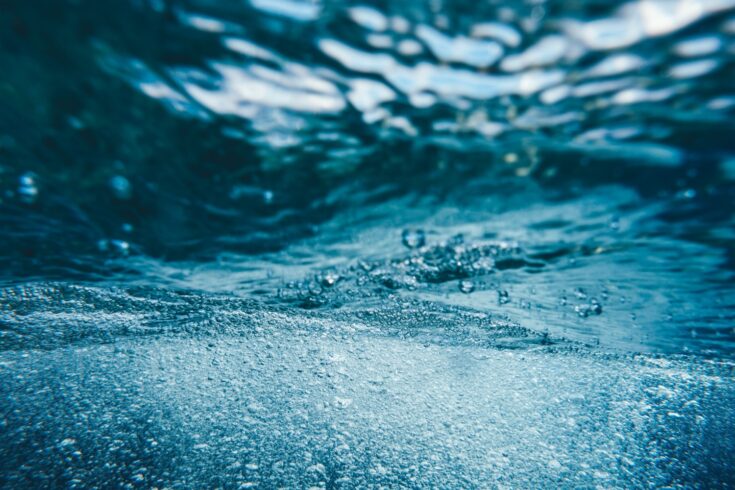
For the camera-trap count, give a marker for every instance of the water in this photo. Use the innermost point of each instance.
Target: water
(421, 244)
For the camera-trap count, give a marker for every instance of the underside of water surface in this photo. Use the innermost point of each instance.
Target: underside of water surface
(367, 244)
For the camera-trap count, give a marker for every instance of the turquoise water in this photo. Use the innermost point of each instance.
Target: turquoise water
(283, 243)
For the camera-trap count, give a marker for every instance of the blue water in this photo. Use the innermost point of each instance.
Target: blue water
(431, 244)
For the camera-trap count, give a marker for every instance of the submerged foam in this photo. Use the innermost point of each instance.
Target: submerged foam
(233, 393)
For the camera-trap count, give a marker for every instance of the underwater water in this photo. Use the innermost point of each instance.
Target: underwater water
(371, 244)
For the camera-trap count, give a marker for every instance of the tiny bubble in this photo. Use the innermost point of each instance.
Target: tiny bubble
(75, 122)
(413, 238)
(466, 286)
(27, 188)
(329, 279)
(119, 247)
(121, 187)
(689, 194)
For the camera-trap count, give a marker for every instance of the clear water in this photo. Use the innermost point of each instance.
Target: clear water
(432, 244)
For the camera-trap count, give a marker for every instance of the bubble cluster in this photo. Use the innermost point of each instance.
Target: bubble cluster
(585, 310)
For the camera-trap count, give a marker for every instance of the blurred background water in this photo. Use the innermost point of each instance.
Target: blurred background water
(566, 168)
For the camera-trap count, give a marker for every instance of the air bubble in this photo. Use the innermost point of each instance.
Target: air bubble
(466, 286)
(118, 247)
(687, 194)
(27, 188)
(329, 279)
(413, 238)
(121, 187)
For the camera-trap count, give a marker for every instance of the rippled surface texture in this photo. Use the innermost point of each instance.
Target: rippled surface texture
(430, 244)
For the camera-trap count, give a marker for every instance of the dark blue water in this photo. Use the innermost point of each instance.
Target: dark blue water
(431, 244)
